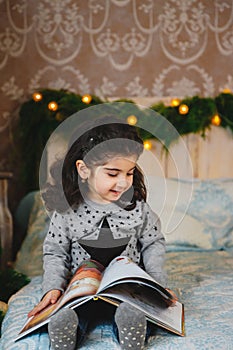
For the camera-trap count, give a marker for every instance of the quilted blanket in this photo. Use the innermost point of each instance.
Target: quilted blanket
(203, 281)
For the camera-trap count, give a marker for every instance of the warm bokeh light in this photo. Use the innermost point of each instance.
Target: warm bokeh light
(132, 120)
(227, 91)
(147, 144)
(216, 120)
(175, 102)
(183, 109)
(37, 96)
(53, 106)
(86, 98)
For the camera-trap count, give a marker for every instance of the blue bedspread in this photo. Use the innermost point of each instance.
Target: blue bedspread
(202, 280)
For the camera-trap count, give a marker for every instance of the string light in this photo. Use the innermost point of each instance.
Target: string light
(216, 120)
(183, 109)
(53, 106)
(86, 98)
(227, 91)
(147, 145)
(175, 102)
(37, 96)
(132, 120)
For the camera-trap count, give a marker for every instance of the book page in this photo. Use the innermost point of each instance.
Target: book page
(123, 268)
(155, 309)
(84, 283)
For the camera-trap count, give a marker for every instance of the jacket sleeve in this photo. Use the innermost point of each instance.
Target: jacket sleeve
(56, 255)
(153, 245)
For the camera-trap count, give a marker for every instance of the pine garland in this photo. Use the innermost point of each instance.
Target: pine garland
(37, 122)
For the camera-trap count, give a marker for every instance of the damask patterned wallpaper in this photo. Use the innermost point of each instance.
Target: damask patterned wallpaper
(112, 48)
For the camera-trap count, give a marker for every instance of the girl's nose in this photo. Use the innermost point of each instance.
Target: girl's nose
(122, 183)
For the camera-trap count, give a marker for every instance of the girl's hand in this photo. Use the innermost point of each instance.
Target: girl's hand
(174, 298)
(50, 298)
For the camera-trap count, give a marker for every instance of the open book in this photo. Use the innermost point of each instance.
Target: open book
(122, 280)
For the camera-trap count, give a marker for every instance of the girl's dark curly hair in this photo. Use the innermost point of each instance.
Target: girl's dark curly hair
(98, 142)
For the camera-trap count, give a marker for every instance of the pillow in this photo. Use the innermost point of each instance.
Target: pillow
(195, 214)
(29, 259)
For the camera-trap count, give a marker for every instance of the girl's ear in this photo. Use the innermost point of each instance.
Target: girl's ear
(82, 169)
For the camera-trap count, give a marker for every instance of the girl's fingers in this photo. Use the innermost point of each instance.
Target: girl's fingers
(55, 294)
(39, 307)
(50, 298)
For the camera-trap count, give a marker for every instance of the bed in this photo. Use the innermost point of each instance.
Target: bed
(199, 263)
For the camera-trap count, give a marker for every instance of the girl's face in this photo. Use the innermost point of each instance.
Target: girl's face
(108, 182)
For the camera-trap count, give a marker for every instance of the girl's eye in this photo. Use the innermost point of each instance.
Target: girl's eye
(114, 175)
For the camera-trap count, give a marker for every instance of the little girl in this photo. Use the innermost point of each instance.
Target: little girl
(99, 212)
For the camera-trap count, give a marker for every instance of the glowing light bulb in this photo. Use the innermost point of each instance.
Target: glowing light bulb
(183, 109)
(175, 102)
(37, 96)
(86, 98)
(227, 91)
(132, 120)
(53, 106)
(147, 145)
(216, 120)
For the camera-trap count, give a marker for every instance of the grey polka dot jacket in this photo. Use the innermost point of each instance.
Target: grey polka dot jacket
(63, 253)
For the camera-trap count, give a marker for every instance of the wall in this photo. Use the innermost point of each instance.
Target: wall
(111, 48)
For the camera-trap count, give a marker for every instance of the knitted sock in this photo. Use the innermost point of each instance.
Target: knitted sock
(131, 324)
(62, 329)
